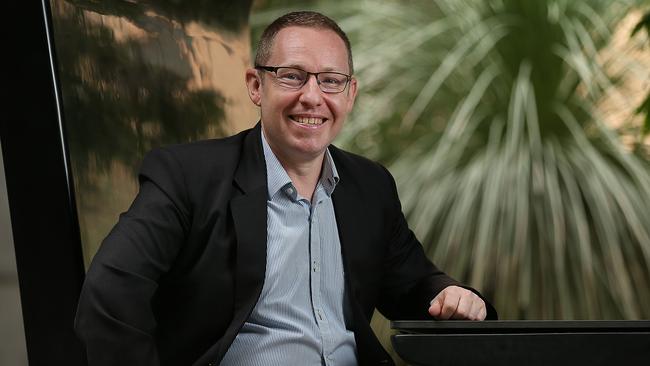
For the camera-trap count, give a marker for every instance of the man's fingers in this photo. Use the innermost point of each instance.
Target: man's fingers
(464, 308)
(436, 305)
(449, 306)
(477, 306)
(482, 314)
(455, 302)
(444, 305)
(435, 308)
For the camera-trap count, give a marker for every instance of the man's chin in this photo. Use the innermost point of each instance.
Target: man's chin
(310, 152)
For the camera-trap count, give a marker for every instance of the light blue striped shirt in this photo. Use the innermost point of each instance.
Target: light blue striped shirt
(300, 317)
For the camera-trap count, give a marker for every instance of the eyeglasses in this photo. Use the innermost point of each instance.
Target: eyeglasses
(294, 78)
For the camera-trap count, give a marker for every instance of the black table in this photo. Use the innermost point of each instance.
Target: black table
(528, 343)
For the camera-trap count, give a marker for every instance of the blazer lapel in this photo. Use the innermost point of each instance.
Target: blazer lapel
(348, 220)
(348, 210)
(249, 219)
(352, 225)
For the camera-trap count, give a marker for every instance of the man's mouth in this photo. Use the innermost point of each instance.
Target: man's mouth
(313, 121)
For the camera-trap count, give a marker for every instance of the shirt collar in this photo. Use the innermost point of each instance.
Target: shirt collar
(277, 177)
(329, 175)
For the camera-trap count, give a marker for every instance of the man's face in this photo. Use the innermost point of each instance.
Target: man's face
(288, 116)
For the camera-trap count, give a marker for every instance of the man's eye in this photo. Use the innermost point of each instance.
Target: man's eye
(293, 76)
(331, 81)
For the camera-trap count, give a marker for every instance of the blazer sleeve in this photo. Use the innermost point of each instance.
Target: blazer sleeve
(411, 280)
(114, 319)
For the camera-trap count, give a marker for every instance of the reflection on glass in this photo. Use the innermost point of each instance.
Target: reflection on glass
(137, 76)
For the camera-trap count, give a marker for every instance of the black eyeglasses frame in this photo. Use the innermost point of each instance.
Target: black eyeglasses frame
(274, 69)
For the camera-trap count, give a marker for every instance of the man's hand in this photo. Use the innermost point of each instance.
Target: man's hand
(455, 302)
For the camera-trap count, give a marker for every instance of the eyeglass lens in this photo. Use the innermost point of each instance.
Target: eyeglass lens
(293, 78)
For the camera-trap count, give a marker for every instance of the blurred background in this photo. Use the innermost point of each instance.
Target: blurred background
(517, 130)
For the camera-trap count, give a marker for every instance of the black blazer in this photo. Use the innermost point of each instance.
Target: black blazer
(181, 271)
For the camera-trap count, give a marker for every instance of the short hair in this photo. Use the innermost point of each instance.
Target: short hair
(309, 19)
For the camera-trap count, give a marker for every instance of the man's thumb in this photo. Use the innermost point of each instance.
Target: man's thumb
(436, 307)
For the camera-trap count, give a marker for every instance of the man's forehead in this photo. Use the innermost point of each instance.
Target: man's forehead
(294, 32)
(297, 46)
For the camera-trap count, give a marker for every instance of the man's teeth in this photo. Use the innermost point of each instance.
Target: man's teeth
(309, 120)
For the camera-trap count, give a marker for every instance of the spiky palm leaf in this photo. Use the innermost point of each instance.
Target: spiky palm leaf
(487, 114)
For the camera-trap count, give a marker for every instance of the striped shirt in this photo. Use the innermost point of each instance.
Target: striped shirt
(300, 317)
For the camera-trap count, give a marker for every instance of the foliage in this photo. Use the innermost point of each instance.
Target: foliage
(644, 108)
(118, 104)
(229, 15)
(487, 114)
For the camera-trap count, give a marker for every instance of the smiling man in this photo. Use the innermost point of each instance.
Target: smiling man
(271, 246)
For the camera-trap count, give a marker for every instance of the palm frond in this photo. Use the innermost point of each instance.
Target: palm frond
(486, 112)
(523, 190)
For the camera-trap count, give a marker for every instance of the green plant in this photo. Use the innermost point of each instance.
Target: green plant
(487, 114)
(644, 108)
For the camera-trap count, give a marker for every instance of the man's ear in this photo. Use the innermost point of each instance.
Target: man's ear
(254, 85)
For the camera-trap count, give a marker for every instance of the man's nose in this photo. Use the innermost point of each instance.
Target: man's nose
(310, 92)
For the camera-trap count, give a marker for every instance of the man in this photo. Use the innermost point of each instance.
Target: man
(271, 246)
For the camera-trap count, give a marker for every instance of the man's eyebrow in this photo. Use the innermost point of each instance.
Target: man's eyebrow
(330, 69)
(325, 69)
(297, 66)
